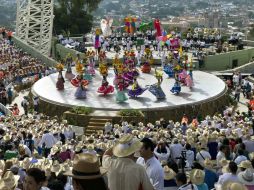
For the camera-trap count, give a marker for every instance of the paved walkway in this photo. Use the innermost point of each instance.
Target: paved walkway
(242, 105)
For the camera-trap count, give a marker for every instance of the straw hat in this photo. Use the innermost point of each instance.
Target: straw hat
(246, 177)
(90, 147)
(56, 167)
(85, 166)
(7, 137)
(251, 155)
(26, 163)
(126, 146)
(245, 164)
(233, 186)
(197, 176)
(9, 181)
(168, 173)
(208, 163)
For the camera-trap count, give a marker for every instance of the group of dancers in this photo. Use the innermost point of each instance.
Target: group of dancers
(126, 74)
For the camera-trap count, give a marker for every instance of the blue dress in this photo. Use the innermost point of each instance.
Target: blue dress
(176, 88)
(136, 91)
(169, 71)
(80, 93)
(157, 91)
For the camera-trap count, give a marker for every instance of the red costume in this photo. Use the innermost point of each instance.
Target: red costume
(76, 81)
(157, 26)
(105, 88)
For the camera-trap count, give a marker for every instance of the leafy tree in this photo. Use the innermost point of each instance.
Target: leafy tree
(74, 16)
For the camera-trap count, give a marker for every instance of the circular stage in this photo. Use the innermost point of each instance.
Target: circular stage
(207, 87)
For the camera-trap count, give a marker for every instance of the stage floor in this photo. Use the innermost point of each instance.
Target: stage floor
(206, 87)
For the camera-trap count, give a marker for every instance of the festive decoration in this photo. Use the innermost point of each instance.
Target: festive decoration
(145, 26)
(97, 38)
(157, 26)
(106, 25)
(130, 24)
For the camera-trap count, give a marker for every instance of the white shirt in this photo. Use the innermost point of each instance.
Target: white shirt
(220, 156)
(27, 151)
(162, 156)
(154, 171)
(190, 157)
(176, 150)
(202, 158)
(48, 139)
(188, 187)
(239, 159)
(227, 177)
(249, 144)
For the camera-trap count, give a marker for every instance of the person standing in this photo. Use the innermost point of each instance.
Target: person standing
(25, 104)
(36, 104)
(123, 172)
(237, 92)
(153, 167)
(47, 142)
(10, 95)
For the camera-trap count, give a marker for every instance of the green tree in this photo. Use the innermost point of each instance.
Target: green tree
(74, 16)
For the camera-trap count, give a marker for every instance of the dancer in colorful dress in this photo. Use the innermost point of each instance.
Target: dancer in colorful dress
(182, 76)
(168, 69)
(176, 88)
(81, 90)
(136, 90)
(105, 88)
(60, 80)
(69, 75)
(103, 68)
(156, 89)
(77, 80)
(148, 61)
(188, 81)
(91, 62)
(87, 76)
(120, 95)
(119, 79)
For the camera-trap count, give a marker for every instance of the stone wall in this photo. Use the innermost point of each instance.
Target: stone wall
(34, 53)
(200, 109)
(224, 61)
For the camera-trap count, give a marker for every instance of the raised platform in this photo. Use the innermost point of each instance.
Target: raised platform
(207, 88)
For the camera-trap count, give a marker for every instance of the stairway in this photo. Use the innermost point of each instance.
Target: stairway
(96, 124)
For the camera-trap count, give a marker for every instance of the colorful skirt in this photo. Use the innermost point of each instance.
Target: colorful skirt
(189, 82)
(68, 74)
(87, 77)
(121, 97)
(60, 84)
(105, 89)
(157, 91)
(136, 92)
(91, 70)
(169, 71)
(80, 93)
(146, 68)
(128, 77)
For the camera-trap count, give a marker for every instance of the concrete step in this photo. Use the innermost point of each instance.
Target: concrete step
(100, 119)
(94, 127)
(96, 123)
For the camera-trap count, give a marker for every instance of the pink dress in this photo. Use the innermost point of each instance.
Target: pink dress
(90, 69)
(188, 81)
